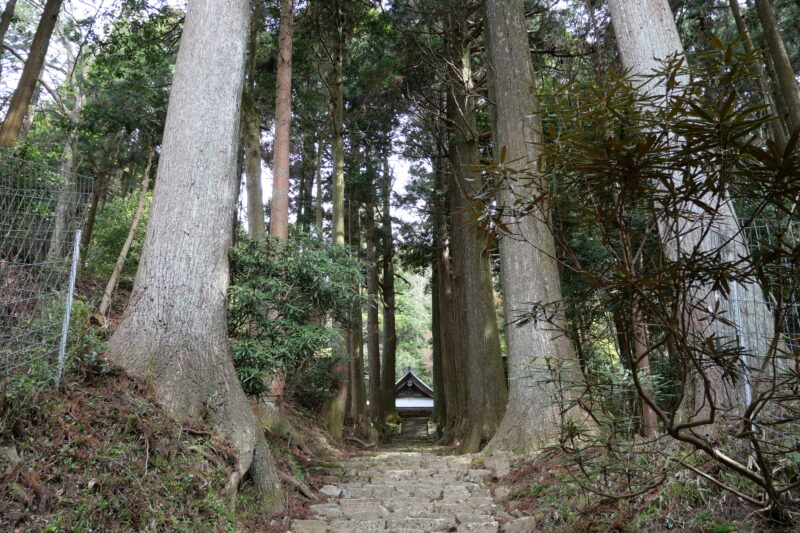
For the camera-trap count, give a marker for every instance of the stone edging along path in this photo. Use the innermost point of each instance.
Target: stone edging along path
(412, 491)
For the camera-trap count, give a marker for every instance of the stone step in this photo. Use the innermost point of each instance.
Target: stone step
(406, 491)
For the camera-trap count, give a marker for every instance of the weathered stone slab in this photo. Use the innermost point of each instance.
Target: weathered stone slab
(358, 526)
(326, 510)
(422, 524)
(308, 526)
(526, 524)
(331, 490)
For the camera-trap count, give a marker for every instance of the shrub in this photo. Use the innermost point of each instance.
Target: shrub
(283, 300)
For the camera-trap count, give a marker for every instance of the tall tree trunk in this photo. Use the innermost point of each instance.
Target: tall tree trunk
(527, 259)
(358, 395)
(113, 281)
(256, 227)
(318, 194)
(454, 408)
(18, 107)
(783, 67)
(100, 187)
(486, 381)
(173, 333)
(5, 22)
(777, 125)
(373, 335)
(279, 216)
(439, 415)
(337, 138)
(389, 328)
(66, 197)
(306, 189)
(645, 33)
(335, 406)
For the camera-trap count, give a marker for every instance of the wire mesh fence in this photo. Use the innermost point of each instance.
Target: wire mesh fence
(783, 294)
(41, 213)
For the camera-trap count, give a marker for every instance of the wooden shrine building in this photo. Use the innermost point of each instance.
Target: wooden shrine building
(413, 398)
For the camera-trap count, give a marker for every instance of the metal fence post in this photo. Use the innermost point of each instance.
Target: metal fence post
(73, 273)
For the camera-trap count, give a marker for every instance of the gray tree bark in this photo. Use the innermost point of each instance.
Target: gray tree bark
(18, 107)
(527, 256)
(173, 333)
(646, 33)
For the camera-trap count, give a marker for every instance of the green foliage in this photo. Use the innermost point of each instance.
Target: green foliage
(281, 293)
(20, 391)
(111, 230)
(638, 171)
(413, 323)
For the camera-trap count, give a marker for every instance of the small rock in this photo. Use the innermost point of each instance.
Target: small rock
(477, 475)
(308, 526)
(501, 493)
(331, 490)
(526, 524)
(499, 464)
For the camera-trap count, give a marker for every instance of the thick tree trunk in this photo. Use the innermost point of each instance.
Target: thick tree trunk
(486, 381)
(783, 67)
(5, 22)
(173, 333)
(256, 226)
(389, 328)
(279, 216)
(777, 125)
(113, 281)
(527, 258)
(373, 334)
(645, 33)
(18, 107)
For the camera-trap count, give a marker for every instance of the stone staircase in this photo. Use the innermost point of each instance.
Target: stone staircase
(408, 488)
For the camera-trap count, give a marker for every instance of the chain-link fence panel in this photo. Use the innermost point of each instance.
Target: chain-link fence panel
(41, 213)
